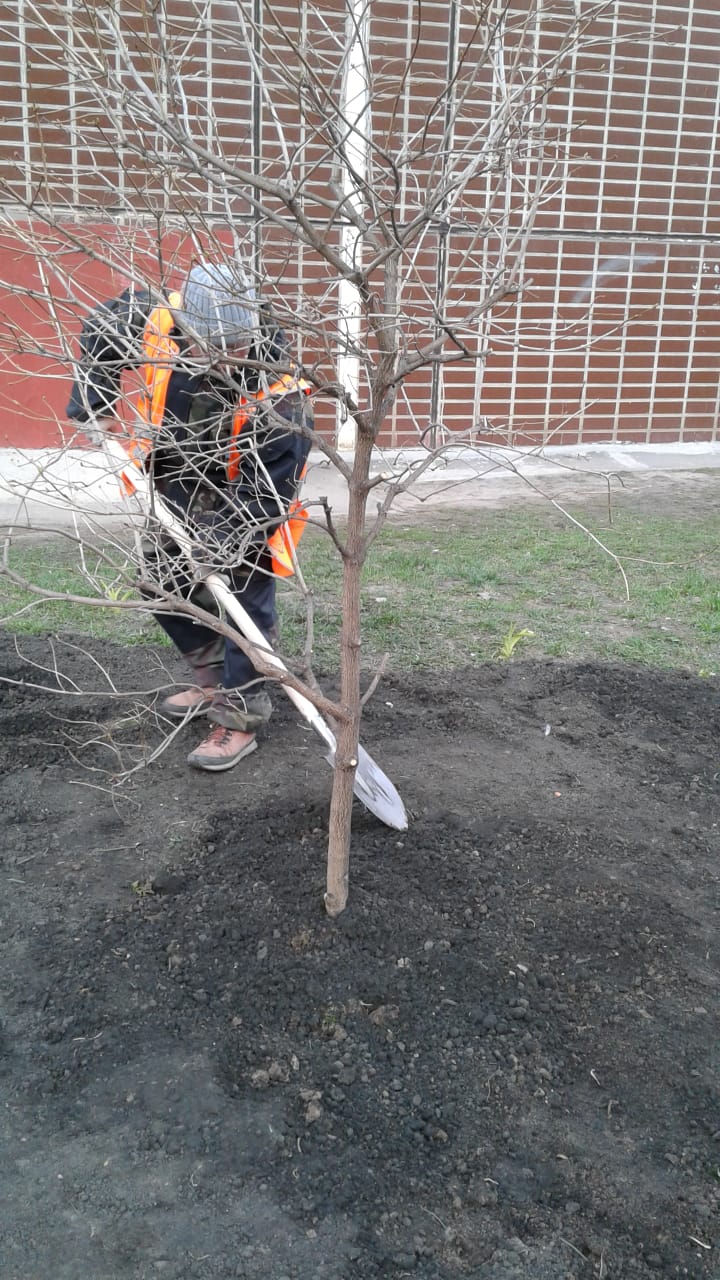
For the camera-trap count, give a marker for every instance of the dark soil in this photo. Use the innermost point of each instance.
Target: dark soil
(500, 1063)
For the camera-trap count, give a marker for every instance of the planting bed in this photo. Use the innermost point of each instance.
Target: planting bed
(500, 1063)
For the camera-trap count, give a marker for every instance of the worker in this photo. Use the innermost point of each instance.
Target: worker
(224, 440)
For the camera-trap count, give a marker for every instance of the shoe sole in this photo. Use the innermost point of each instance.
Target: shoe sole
(191, 714)
(174, 713)
(221, 766)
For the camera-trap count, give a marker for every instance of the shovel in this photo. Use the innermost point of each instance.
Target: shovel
(372, 787)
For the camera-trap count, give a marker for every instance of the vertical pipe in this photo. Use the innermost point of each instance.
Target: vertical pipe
(353, 127)
(25, 101)
(257, 132)
(680, 144)
(441, 267)
(403, 195)
(73, 179)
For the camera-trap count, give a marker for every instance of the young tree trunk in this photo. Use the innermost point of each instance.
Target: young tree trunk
(348, 736)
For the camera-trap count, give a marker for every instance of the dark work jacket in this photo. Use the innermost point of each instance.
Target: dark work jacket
(189, 454)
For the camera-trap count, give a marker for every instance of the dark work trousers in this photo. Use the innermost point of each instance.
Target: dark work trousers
(252, 583)
(253, 588)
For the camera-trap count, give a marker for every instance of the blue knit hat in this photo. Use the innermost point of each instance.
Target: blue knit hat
(218, 305)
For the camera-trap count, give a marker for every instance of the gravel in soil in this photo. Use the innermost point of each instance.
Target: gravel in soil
(500, 1063)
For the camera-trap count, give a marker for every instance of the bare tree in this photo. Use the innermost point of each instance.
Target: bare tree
(385, 206)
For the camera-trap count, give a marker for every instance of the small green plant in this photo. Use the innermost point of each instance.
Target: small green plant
(113, 591)
(142, 888)
(330, 1020)
(511, 640)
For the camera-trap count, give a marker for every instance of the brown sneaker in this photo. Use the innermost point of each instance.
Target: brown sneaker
(222, 749)
(187, 702)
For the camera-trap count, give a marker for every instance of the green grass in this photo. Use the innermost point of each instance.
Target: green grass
(54, 565)
(445, 592)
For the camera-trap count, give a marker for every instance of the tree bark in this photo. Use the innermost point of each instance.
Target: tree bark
(348, 735)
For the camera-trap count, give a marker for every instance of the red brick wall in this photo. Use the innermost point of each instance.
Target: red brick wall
(615, 331)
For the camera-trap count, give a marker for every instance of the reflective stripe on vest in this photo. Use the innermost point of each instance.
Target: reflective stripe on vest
(284, 386)
(159, 351)
(283, 542)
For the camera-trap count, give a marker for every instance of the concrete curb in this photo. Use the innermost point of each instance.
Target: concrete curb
(44, 488)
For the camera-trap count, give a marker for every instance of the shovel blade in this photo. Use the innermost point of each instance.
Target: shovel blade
(374, 789)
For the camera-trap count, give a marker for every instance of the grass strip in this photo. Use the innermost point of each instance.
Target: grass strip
(448, 591)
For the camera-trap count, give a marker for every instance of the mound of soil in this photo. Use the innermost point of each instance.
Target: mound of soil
(500, 1063)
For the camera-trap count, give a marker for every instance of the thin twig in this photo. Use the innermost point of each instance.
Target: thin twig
(375, 680)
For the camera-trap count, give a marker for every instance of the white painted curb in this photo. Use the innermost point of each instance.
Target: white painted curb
(45, 487)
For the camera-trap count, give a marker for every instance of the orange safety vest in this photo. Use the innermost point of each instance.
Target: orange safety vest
(160, 351)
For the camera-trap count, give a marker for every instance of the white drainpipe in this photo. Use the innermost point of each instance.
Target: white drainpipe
(356, 111)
